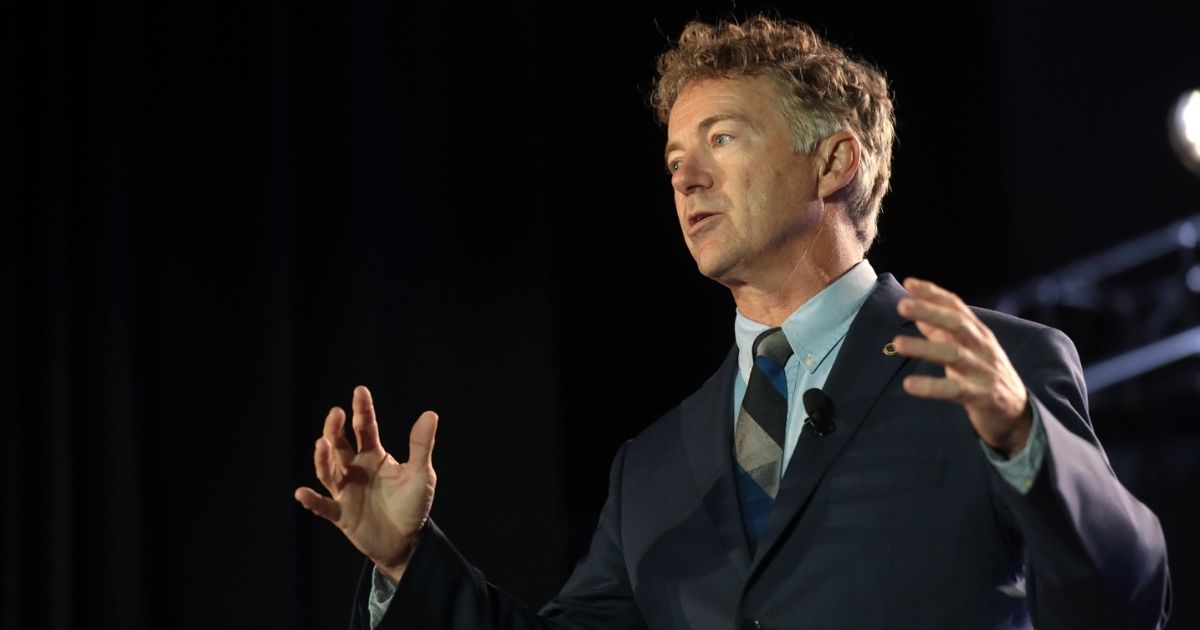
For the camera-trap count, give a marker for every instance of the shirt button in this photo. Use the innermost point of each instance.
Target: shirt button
(750, 624)
(810, 361)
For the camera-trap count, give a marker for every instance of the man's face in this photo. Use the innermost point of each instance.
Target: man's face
(746, 202)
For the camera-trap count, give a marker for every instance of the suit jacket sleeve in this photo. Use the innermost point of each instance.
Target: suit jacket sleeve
(1095, 555)
(440, 589)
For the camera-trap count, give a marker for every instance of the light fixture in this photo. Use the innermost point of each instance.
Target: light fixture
(1185, 130)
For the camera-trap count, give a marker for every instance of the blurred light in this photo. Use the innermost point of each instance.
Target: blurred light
(1187, 235)
(1141, 360)
(1185, 130)
(1193, 278)
(1048, 291)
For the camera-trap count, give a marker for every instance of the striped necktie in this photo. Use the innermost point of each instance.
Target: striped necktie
(758, 438)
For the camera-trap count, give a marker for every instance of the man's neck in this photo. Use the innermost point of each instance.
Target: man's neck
(773, 304)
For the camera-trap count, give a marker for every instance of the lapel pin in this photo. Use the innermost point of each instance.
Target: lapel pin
(889, 349)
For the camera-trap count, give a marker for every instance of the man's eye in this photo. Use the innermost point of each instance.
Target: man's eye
(673, 165)
(722, 139)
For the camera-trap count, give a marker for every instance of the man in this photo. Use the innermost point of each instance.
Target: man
(867, 456)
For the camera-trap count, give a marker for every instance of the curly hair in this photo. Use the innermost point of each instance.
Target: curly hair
(822, 90)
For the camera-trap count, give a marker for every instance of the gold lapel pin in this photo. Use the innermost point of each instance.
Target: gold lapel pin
(889, 349)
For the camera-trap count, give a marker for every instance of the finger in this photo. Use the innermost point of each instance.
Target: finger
(320, 505)
(335, 435)
(934, 387)
(327, 473)
(918, 309)
(420, 440)
(932, 292)
(366, 430)
(968, 339)
(943, 353)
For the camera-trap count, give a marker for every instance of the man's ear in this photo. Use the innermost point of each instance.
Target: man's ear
(839, 161)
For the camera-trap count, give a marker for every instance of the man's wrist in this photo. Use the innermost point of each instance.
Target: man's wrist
(395, 572)
(1018, 437)
(392, 574)
(1021, 469)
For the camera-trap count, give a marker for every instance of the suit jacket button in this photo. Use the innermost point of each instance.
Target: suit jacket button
(750, 624)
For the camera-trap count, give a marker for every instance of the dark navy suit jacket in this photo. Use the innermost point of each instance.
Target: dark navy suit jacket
(894, 520)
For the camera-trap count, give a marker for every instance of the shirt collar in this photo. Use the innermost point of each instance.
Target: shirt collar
(815, 328)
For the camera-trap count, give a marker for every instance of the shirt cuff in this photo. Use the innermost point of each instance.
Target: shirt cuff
(1020, 471)
(382, 591)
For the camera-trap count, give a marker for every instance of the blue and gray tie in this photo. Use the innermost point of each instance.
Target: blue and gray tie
(758, 438)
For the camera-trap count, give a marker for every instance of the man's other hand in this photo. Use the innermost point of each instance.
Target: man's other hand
(380, 504)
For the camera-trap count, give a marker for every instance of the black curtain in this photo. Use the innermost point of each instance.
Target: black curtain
(220, 219)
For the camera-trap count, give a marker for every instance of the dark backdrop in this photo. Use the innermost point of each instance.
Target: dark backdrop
(219, 218)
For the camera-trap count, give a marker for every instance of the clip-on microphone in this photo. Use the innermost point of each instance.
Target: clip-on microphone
(820, 412)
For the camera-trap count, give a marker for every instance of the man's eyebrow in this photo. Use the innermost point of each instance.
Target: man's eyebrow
(703, 128)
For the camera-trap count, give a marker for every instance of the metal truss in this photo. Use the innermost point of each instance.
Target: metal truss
(1132, 310)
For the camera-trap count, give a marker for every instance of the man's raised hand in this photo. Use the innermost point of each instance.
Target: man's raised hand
(380, 504)
(978, 376)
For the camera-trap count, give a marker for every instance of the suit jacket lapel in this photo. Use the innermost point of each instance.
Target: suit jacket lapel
(707, 418)
(860, 374)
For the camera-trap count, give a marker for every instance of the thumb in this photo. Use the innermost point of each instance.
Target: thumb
(420, 440)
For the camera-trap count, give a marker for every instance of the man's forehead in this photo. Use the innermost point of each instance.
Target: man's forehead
(706, 93)
(703, 99)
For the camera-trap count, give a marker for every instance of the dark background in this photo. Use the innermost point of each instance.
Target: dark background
(220, 218)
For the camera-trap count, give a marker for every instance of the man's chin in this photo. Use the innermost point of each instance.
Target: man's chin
(717, 271)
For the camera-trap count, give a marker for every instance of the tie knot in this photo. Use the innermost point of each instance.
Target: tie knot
(773, 345)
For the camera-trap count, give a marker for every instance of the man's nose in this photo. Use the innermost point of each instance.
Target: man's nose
(691, 175)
